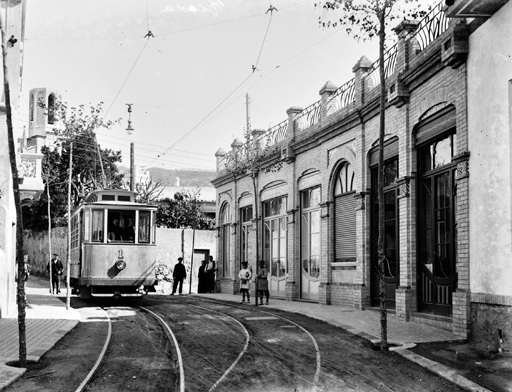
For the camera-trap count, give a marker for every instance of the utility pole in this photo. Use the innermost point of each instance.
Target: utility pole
(255, 209)
(130, 130)
(248, 115)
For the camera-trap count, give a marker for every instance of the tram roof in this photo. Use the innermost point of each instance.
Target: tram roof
(113, 197)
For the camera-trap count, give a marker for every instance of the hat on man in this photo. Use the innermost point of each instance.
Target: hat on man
(180, 258)
(244, 262)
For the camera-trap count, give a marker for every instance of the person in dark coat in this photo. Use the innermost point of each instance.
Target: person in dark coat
(201, 278)
(210, 275)
(55, 268)
(178, 275)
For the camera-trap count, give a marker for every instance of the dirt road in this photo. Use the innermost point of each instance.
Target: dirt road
(223, 347)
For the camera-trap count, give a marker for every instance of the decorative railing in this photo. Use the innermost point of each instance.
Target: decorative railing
(431, 26)
(389, 66)
(309, 116)
(344, 95)
(277, 133)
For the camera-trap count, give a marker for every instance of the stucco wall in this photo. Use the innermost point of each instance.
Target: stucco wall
(37, 247)
(174, 243)
(489, 100)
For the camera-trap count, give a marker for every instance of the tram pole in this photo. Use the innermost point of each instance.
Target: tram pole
(68, 266)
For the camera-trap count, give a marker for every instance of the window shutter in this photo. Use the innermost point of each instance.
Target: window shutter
(345, 228)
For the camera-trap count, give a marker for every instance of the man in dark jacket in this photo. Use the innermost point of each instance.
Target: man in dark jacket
(55, 268)
(178, 275)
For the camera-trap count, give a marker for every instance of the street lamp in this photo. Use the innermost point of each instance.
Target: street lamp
(130, 130)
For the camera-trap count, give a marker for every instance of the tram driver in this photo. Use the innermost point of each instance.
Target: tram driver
(115, 232)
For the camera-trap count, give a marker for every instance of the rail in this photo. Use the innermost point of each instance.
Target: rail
(431, 26)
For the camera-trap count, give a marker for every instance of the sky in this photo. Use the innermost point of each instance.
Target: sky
(188, 83)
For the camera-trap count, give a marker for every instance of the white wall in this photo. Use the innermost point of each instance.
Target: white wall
(489, 100)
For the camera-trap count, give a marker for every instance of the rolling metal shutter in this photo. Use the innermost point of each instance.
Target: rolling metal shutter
(345, 227)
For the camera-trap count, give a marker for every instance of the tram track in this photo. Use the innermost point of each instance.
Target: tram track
(120, 357)
(99, 360)
(217, 346)
(252, 324)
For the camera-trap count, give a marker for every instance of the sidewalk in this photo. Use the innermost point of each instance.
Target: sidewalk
(47, 321)
(406, 335)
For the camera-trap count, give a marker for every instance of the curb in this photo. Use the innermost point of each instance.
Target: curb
(9, 375)
(441, 370)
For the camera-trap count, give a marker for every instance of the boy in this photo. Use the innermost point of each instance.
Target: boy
(245, 276)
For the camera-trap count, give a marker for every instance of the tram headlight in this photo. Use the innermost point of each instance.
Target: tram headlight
(120, 265)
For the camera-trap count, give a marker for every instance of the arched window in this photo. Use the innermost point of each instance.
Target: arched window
(51, 109)
(225, 231)
(274, 236)
(344, 214)
(310, 231)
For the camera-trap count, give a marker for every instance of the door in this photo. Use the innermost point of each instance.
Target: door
(310, 243)
(437, 276)
(275, 244)
(391, 236)
(199, 255)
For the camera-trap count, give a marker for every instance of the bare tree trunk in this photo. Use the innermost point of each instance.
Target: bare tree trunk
(49, 231)
(380, 241)
(20, 294)
(254, 174)
(68, 264)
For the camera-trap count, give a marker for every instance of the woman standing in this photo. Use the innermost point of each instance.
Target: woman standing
(262, 283)
(202, 279)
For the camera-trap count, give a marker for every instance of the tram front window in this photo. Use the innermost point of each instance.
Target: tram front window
(121, 226)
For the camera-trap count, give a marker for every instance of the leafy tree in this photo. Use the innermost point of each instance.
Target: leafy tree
(183, 212)
(90, 172)
(365, 19)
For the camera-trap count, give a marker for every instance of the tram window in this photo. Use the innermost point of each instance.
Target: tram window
(97, 226)
(144, 226)
(121, 225)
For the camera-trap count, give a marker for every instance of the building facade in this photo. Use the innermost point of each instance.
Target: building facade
(317, 214)
(489, 80)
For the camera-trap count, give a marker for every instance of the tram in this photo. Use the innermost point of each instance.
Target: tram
(113, 249)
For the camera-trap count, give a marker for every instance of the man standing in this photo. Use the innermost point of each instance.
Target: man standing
(55, 268)
(178, 275)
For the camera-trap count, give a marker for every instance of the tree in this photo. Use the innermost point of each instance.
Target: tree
(247, 159)
(20, 289)
(148, 191)
(365, 19)
(93, 167)
(183, 212)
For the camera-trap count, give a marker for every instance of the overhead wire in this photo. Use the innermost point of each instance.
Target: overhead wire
(232, 92)
(227, 97)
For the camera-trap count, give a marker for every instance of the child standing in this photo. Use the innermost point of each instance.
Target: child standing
(262, 283)
(245, 276)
